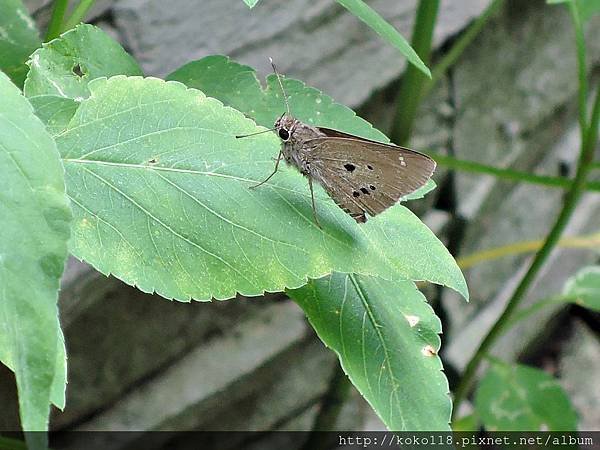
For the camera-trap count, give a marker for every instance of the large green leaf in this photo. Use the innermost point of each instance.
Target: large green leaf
(585, 288)
(18, 39)
(521, 398)
(34, 216)
(160, 190)
(386, 337)
(426, 408)
(379, 25)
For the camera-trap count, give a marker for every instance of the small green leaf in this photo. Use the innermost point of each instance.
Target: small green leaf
(64, 66)
(160, 191)
(62, 69)
(585, 286)
(421, 192)
(34, 216)
(19, 37)
(378, 24)
(387, 339)
(251, 3)
(521, 398)
(54, 111)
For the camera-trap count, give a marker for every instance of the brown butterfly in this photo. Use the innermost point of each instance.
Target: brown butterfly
(362, 176)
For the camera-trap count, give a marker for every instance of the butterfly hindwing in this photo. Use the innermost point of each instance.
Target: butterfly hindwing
(363, 175)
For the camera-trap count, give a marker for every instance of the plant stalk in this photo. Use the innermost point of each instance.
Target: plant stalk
(56, 20)
(581, 67)
(461, 44)
(79, 14)
(413, 80)
(508, 174)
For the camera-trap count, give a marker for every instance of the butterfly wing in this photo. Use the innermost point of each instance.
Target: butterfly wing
(364, 176)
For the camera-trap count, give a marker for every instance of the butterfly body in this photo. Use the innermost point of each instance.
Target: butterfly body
(295, 136)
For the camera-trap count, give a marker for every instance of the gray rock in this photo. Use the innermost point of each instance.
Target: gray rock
(100, 314)
(510, 82)
(579, 360)
(187, 392)
(526, 213)
(318, 42)
(514, 89)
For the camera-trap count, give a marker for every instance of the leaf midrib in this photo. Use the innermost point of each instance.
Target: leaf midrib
(387, 360)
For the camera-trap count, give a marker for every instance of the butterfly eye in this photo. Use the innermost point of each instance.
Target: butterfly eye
(284, 134)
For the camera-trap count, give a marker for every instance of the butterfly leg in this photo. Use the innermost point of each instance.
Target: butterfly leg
(274, 172)
(312, 198)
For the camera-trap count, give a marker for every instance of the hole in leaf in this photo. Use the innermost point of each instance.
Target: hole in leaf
(77, 70)
(371, 187)
(369, 166)
(356, 193)
(364, 190)
(349, 167)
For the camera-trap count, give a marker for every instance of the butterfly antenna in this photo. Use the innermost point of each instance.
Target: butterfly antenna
(240, 136)
(285, 98)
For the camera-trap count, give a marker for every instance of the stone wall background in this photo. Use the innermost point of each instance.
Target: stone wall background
(139, 362)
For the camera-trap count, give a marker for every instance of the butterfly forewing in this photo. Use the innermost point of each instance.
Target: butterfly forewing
(363, 175)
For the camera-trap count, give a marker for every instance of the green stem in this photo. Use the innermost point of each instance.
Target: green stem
(589, 137)
(581, 66)
(413, 80)
(58, 14)
(524, 313)
(79, 14)
(458, 48)
(509, 174)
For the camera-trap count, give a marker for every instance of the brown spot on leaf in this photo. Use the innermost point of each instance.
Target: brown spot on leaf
(428, 350)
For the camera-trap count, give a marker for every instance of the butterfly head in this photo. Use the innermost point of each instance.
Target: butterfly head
(285, 127)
